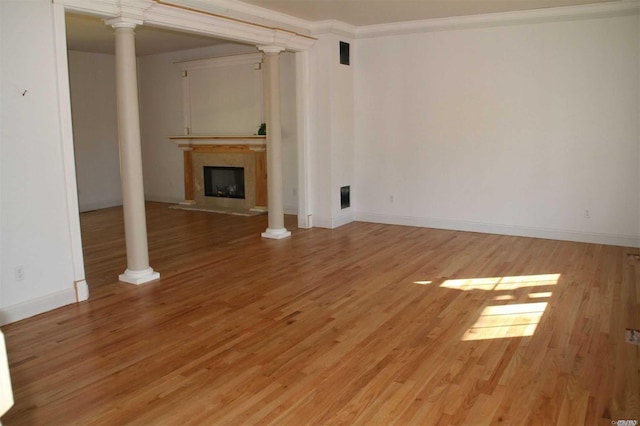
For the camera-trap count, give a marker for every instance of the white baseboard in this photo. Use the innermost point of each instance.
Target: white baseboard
(488, 228)
(322, 222)
(346, 216)
(37, 306)
(163, 199)
(97, 205)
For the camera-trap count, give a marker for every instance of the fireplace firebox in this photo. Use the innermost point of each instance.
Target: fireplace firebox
(226, 182)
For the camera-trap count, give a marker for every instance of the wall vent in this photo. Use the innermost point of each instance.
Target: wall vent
(344, 53)
(345, 197)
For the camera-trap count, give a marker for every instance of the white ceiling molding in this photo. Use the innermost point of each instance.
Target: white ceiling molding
(201, 22)
(257, 14)
(101, 8)
(566, 13)
(239, 21)
(241, 10)
(333, 27)
(134, 9)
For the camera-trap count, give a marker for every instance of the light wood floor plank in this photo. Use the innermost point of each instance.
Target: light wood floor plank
(365, 324)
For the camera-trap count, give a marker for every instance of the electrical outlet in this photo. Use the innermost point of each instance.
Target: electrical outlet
(19, 273)
(587, 214)
(390, 199)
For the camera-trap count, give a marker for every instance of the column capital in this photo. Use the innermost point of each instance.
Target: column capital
(271, 49)
(122, 22)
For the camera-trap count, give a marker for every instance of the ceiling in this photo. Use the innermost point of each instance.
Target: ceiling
(371, 12)
(90, 34)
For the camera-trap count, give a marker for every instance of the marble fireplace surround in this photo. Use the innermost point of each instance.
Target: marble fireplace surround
(248, 152)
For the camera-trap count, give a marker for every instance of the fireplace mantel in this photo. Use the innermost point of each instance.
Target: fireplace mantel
(196, 140)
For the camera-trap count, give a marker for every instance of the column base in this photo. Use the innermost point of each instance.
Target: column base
(139, 277)
(276, 234)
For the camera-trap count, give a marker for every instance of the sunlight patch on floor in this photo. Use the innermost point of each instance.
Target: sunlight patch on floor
(502, 283)
(509, 317)
(497, 322)
(540, 295)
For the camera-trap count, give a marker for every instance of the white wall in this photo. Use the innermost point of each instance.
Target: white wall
(517, 129)
(289, 132)
(320, 132)
(95, 129)
(34, 219)
(342, 132)
(332, 131)
(160, 85)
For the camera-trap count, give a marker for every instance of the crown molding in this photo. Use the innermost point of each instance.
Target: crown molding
(566, 13)
(235, 20)
(102, 8)
(256, 14)
(173, 16)
(240, 10)
(134, 9)
(332, 26)
(169, 15)
(129, 9)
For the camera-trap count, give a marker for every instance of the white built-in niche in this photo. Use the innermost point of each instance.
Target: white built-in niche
(223, 95)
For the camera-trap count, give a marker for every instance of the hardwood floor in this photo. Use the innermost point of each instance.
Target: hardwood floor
(365, 324)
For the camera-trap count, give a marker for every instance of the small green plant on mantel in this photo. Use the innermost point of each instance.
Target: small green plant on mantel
(262, 130)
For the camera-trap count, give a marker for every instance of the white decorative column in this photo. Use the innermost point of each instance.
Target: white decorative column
(135, 224)
(275, 201)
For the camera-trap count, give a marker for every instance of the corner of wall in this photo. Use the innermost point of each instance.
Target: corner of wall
(335, 221)
(333, 126)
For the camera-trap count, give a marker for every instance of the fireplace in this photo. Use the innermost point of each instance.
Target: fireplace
(246, 153)
(225, 182)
